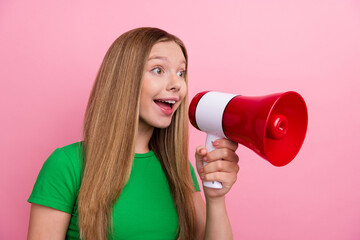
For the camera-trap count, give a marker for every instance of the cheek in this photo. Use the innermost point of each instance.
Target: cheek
(149, 88)
(153, 86)
(184, 90)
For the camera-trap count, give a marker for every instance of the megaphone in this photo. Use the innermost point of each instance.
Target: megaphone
(274, 126)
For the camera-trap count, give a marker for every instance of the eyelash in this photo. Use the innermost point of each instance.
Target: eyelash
(157, 68)
(154, 70)
(183, 74)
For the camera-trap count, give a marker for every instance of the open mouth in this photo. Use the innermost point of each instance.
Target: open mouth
(165, 104)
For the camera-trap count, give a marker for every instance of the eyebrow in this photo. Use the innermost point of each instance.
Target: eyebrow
(158, 57)
(162, 58)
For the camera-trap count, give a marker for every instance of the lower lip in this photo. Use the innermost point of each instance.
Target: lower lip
(165, 111)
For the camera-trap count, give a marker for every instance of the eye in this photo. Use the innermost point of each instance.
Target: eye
(157, 70)
(181, 74)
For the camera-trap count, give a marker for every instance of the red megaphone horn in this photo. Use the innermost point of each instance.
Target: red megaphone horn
(274, 126)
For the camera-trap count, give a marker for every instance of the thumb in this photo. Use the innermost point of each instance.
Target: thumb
(200, 153)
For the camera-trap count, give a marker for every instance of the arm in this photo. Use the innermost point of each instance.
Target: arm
(47, 223)
(222, 166)
(200, 209)
(217, 221)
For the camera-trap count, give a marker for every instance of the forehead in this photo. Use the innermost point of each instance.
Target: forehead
(169, 50)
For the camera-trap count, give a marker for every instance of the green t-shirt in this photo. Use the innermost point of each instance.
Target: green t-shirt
(144, 210)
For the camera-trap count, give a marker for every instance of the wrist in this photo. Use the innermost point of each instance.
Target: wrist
(215, 200)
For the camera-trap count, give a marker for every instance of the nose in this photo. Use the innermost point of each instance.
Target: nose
(174, 82)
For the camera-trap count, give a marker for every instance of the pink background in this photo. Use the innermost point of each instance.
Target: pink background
(50, 52)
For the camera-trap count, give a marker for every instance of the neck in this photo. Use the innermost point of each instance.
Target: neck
(143, 136)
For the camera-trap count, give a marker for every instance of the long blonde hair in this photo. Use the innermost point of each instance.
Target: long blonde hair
(110, 125)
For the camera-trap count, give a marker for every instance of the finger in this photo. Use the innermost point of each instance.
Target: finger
(225, 143)
(222, 154)
(220, 166)
(223, 177)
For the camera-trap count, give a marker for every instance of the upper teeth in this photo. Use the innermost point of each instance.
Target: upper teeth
(168, 101)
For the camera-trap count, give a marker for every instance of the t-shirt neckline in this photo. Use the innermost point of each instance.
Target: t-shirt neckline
(145, 155)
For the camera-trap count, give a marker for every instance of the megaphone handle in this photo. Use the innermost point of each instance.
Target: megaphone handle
(210, 138)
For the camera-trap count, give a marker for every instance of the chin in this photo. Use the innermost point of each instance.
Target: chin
(162, 125)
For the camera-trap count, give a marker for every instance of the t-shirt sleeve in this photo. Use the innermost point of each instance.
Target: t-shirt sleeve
(195, 181)
(58, 182)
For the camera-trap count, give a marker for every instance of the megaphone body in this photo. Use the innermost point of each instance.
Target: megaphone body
(274, 126)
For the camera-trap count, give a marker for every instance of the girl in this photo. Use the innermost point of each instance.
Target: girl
(130, 177)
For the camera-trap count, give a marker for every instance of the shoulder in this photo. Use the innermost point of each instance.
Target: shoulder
(73, 152)
(65, 161)
(71, 155)
(59, 179)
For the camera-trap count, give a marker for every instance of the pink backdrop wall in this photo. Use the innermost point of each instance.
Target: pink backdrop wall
(50, 53)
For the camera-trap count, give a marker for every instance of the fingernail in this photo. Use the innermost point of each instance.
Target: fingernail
(202, 177)
(215, 143)
(204, 159)
(201, 170)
